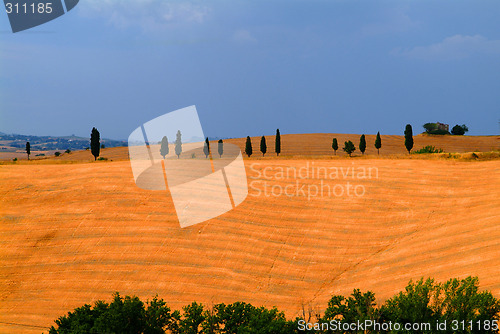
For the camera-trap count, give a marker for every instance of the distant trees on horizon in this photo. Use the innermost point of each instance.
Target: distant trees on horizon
(459, 130)
(349, 147)
(164, 149)
(335, 145)
(28, 149)
(220, 147)
(95, 143)
(248, 147)
(277, 142)
(206, 148)
(442, 129)
(362, 144)
(263, 145)
(408, 138)
(178, 144)
(378, 143)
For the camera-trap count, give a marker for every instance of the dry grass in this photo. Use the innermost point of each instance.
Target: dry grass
(74, 233)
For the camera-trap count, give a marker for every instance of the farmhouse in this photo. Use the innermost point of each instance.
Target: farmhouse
(442, 126)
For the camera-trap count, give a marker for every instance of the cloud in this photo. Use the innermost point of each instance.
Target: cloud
(244, 36)
(150, 15)
(452, 48)
(392, 20)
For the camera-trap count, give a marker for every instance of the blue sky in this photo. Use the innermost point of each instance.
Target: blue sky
(253, 66)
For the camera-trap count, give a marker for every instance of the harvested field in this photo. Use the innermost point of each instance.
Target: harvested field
(74, 233)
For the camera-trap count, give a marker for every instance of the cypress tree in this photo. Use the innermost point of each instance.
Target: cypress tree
(277, 145)
(408, 138)
(178, 144)
(206, 148)
(164, 147)
(335, 145)
(248, 147)
(378, 143)
(220, 147)
(95, 143)
(362, 144)
(263, 145)
(28, 149)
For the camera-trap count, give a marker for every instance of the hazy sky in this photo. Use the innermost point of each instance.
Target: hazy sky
(253, 66)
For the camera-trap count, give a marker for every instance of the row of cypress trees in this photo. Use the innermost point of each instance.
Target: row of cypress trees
(349, 147)
(263, 145)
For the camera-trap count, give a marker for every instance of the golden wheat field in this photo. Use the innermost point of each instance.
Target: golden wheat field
(71, 234)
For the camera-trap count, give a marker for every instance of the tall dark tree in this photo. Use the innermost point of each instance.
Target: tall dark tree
(28, 149)
(335, 145)
(178, 144)
(263, 145)
(220, 147)
(349, 147)
(248, 147)
(378, 143)
(277, 144)
(459, 130)
(95, 143)
(206, 148)
(164, 147)
(362, 144)
(408, 138)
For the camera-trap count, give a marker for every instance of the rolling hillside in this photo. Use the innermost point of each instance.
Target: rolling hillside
(317, 144)
(74, 233)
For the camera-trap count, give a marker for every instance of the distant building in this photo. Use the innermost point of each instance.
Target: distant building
(442, 126)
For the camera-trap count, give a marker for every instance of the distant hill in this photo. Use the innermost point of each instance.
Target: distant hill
(13, 142)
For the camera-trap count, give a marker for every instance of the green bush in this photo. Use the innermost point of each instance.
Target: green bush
(349, 147)
(102, 159)
(459, 130)
(456, 302)
(131, 315)
(57, 154)
(429, 149)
